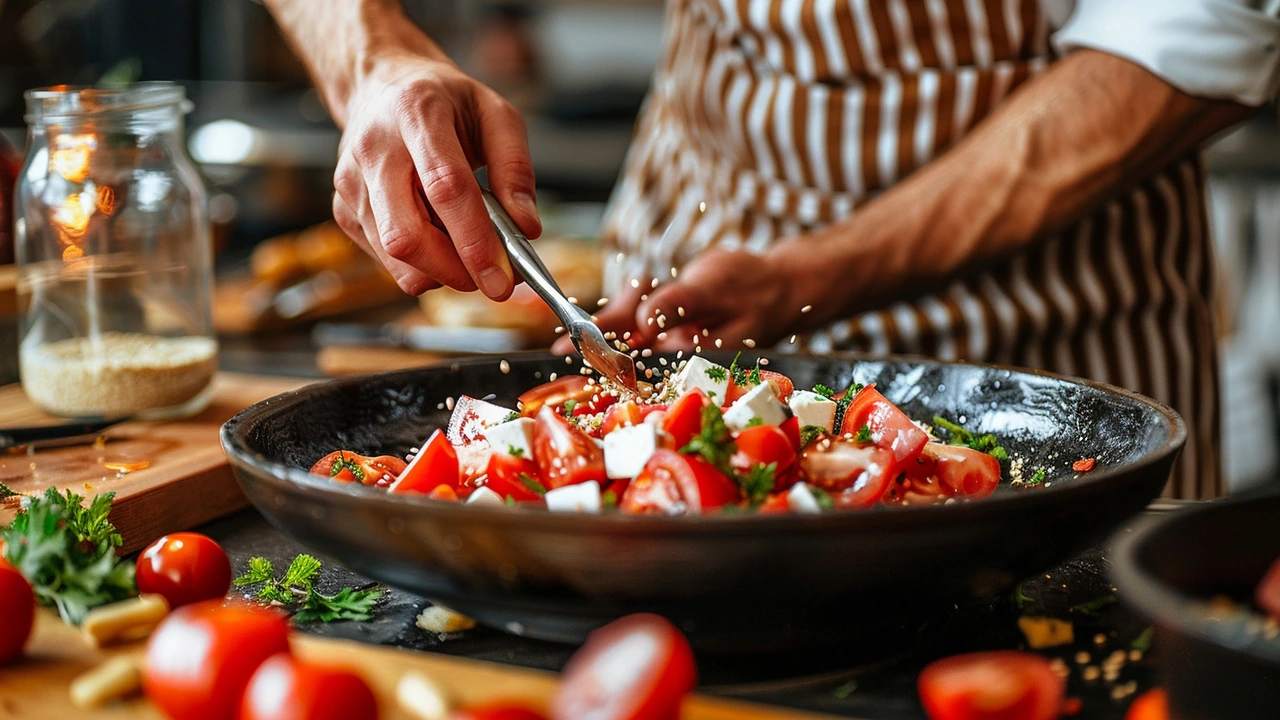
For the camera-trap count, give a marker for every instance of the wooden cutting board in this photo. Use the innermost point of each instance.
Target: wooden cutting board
(36, 688)
(186, 484)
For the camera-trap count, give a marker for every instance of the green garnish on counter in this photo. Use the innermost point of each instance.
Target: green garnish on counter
(963, 438)
(6, 491)
(296, 589)
(68, 552)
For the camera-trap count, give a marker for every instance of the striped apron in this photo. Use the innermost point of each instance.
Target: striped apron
(772, 118)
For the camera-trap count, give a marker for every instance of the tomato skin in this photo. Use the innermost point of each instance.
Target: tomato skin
(201, 657)
(1268, 593)
(1150, 705)
(670, 478)
(503, 477)
(555, 393)
(623, 414)
(1001, 685)
(435, 465)
(764, 444)
(184, 567)
(781, 384)
(565, 455)
(791, 426)
(18, 608)
(374, 469)
(684, 417)
(498, 711)
(775, 504)
(285, 688)
(890, 428)
(857, 476)
(961, 470)
(659, 666)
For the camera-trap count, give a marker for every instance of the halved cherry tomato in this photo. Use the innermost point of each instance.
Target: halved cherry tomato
(857, 476)
(1003, 685)
(781, 384)
(18, 608)
(960, 470)
(890, 428)
(435, 465)
(684, 417)
(1268, 593)
(200, 658)
(184, 567)
(381, 470)
(671, 482)
(1150, 705)
(285, 688)
(498, 711)
(555, 393)
(636, 668)
(764, 444)
(503, 476)
(791, 426)
(621, 415)
(565, 455)
(913, 489)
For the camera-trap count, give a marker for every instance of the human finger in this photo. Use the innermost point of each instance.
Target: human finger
(506, 155)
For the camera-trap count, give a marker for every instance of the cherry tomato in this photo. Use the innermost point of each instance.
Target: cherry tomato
(671, 482)
(636, 668)
(781, 384)
(1150, 705)
(381, 470)
(960, 470)
(856, 475)
(565, 455)
(18, 608)
(555, 393)
(285, 688)
(200, 658)
(684, 417)
(1268, 593)
(621, 415)
(1002, 685)
(503, 476)
(764, 444)
(435, 465)
(890, 428)
(498, 711)
(184, 567)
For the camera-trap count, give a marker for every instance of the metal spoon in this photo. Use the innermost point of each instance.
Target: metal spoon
(596, 351)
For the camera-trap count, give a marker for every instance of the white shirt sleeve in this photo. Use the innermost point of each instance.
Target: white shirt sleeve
(1210, 48)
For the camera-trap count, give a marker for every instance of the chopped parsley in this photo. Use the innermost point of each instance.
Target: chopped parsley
(1037, 477)
(1093, 606)
(842, 404)
(741, 376)
(963, 438)
(297, 588)
(809, 433)
(609, 499)
(515, 452)
(760, 481)
(569, 406)
(533, 485)
(864, 434)
(6, 491)
(824, 391)
(713, 442)
(717, 373)
(344, 463)
(823, 497)
(755, 422)
(512, 417)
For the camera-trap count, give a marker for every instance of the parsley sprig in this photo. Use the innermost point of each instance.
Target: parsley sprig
(743, 377)
(842, 402)
(809, 433)
(6, 491)
(964, 438)
(296, 588)
(760, 481)
(67, 552)
(713, 442)
(345, 463)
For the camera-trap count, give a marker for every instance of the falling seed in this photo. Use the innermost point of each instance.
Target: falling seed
(697, 349)
(635, 354)
(706, 332)
(553, 377)
(439, 406)
(662, 361)
(679, 354)
(648, 374)
(793, 339)
(602, 302)
(763, 361)
(639, 364)
(650, 321)
(673, 272)
(505, 367)
(653, 283)
(644, 297)
(559, 329)
(806, 308)
(585, 371)
(680, 310)
(749, 343)
(662, 321)
(718, 342)
(702, 206)
(635, 283)
(662, 336)
(619, 258)
(1082, 658)
(448, 403)
(626, 335)
(646, 352)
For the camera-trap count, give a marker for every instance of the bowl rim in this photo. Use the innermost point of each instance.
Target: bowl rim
(233, 433)
(1165, 605)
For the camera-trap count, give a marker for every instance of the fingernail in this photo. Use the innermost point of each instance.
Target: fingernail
(526, 203)
(493, 282)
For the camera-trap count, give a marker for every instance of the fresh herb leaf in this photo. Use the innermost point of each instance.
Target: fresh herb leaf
(1020, 597)
(1037, 477)
(713, 442)
(845, 690)
(964, 438)
(809, 433)
(1142, 643)
(347, 604)
(297, 589)
(6, 491)
(824, 391)
(515, 452)
(67, 552)
(864, 434)
(512, 417)
(609, 499)
(302, 571)
(742, 377)
(755, 422)
(823, 497)
(842, 404)
(717, 373)
(760, 481)
(342, 463)
(533, 485)
(509, 501)
(260, 571)
(1093, 606)
(569, 406)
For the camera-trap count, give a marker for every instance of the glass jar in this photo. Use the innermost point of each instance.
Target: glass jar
(115, 269)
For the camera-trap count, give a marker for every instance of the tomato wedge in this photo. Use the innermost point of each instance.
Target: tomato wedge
(565, 455)
(890, 428)
(1003, 685)
(1268, 593)
(636, 668)
(791, 426)
(960, 470)
(764, 444)
(435, 465)
(684, 417)
(1150, 705)
(782, 386)
(623, 414)
(18, 608)
(512, 477)
(857, 476)
(497, 711)
(350, 467)
(671, 483)
(577, 388)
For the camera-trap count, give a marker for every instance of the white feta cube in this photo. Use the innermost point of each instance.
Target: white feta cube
(485, 496)
(813, 409)
(711, 378)
(583, 497)
(759, 402)
(800, 499)
(627, 449)
(514, 437)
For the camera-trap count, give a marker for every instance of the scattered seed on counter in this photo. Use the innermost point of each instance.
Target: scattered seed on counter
(568, 360)
(646, 352)
(505, 367)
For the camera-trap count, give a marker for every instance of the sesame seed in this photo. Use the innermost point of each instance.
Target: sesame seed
(1091, 673)
(650, 321)
(568, 360)
(635, 283)
(806, 308)
(749, 343)
(706, 332)
(662, 321)
(439, 406)
(505, 367)
(619, 258)
(697, 349)
(1082, 658)
(662, 361)
(602, 302)
(611, 335)
(702, 206)
(553, 377)
(448, 403)
(626, 335)
(1099, 639)
(644, 297)
(646, 352)
(793, 339)
(673, 272)
(635, 353)
(559, 329)
(662, 336)
(680, 310)
(718, 343)
(585, 371)
(762, 361)
(640, 364)
(572, 299)
(653, 283)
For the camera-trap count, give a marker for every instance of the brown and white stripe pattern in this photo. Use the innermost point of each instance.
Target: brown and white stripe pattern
(769, 118)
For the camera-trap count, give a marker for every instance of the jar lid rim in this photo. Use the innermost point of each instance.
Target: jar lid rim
(73, 101)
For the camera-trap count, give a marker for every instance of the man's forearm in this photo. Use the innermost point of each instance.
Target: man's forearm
(341, 41)
(1091, 126)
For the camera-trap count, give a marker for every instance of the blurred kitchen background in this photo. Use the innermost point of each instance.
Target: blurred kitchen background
(578, 70)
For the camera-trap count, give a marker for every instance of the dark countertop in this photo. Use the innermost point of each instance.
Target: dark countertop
(867, 682)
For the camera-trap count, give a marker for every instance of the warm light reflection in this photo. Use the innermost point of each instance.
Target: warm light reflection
(71, 219)
(72, 252)
(71, 155)
(106, 200)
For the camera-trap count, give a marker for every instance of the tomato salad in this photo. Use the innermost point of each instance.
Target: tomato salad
(706, 439)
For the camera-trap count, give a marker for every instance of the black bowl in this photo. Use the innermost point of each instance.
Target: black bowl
(1214, 667)
(733, 583)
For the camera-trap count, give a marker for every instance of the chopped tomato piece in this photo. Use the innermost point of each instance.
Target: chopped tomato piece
(781, 384)
(565, 455)
(1150, 705)
(890, 428)
(512, 477)
(435, 465)
(1084, 465)
(1004, 685)
(764, 444)
(776, 503)
(671, 483)
(1268, 594)
(577, 388)
(857, 476)
(791, 426)
(623, 414)
(445, 493)
(636, 668)
(684, 418)
(350, 467)
(960, 470)
(497, 711)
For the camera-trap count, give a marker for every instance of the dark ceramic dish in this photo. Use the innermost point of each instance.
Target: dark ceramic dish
(1213, 667)
(734, 583)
